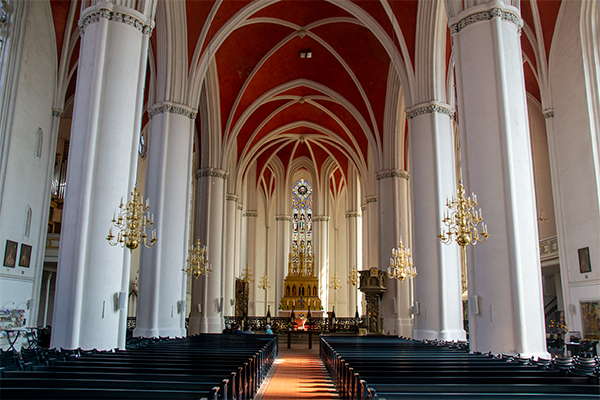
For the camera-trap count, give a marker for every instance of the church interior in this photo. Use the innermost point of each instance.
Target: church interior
(432, 167)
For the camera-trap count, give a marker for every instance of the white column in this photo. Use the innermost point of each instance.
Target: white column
(168, 189)
(372, 233)
(395, 305)
(351, 236)
(282, 245)
(251, 244)
(229, 254)
(433, 179)
(504, 273)
(206, 291)
(111, 73)
(47, 299)
(238, 243)
(321, 239)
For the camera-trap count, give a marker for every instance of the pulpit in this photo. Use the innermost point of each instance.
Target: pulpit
(373, 285)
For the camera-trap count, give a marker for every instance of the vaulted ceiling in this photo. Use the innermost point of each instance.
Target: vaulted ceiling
(307, 78)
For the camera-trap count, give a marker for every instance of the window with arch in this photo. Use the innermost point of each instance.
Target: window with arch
(39, 141)
(27, 227)
(302, 216)
(143, 145)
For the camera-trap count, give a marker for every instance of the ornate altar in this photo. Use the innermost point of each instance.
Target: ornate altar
(373, 285)
(301, 286)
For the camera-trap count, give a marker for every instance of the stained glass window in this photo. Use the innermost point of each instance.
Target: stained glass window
(302, 216)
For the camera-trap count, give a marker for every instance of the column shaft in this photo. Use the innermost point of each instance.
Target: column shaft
(103, 139)
(321, 239)
(229, 255)
(168, 190)
(438, 284)
(206, 291)
(504, 273)
(282, 229)
(395, 305)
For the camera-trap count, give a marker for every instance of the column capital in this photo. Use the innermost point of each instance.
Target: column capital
(428, 108)
(240, 206)
(250, 214)
(548, 113)
(173, 108)
(320, 218)
(213, 172)
(115, 13)
(485, 12)
(363, 208)
(57, 113)
(232, 197)
(353, 214)
(283, 218)
(390, 173)
(371, 199)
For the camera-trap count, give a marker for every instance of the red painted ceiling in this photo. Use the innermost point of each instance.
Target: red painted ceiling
(342, 86)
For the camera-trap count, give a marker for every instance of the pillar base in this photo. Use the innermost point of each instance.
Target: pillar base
(457, 334)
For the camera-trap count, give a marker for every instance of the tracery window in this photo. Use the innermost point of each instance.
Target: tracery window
(302, 216)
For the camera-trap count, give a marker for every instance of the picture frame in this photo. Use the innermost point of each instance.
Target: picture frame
(25, 256)
(584, 260)
(590, 319)
(10, 253)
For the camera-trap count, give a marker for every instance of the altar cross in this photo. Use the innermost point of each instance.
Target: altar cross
(301, 303)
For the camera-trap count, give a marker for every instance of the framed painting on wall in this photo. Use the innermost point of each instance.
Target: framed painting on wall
(25, 255)
(10, 253)
(590, 319)
(584, 260)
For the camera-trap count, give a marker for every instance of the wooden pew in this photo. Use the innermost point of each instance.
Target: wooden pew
(367, 368)
(206, 367)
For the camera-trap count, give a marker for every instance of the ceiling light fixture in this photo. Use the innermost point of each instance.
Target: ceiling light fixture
(305, 54)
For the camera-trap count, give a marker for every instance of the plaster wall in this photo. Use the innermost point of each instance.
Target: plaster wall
(541, 170)
(26, 179)
(575, 183)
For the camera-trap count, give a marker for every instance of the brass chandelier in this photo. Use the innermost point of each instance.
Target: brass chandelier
(353, 276)
(461, 220)
(264, 282)
(133, 220)
(335, 282)
(247, 275)
(197, 262)
(401, 266)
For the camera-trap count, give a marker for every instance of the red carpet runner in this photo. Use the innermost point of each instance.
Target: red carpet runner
(298, 375)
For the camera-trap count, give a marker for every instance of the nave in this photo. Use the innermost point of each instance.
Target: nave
(241, 367)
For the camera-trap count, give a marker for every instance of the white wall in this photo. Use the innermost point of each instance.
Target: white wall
(25, 176)
(541, 170)
(572, 148)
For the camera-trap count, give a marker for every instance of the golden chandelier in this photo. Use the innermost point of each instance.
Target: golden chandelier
(264, 282)
(400, 265)
(133, 220)
(247, 276)
(335, 282)
(197, 262)
(353, 276)
(461, 220)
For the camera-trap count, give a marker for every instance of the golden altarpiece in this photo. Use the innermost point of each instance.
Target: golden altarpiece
(301, 286)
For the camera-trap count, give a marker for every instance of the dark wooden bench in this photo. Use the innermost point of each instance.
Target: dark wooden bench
(369, 368)
(197, 368)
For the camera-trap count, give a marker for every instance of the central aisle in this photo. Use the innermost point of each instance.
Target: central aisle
(298, 374)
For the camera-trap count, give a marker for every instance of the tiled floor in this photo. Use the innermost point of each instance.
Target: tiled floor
(298, 374)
